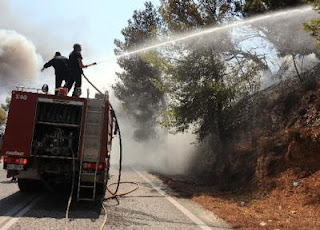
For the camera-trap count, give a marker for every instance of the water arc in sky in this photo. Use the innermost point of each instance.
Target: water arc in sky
(187, 36)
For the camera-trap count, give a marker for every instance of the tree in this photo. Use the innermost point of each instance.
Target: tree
(313, 26)
(258, 6)
(6, 104)
(180, 15)
(204, 75)
(183, 71)
(2, 119)
(4, 108)
(199, 93)
(134, 88)
(243, 65)
(286, 37)
(183, 15)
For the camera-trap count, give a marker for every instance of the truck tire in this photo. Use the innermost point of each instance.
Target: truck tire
(27, 185)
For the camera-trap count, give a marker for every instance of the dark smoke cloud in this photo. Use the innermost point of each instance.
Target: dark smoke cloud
(25, 45)
(38, 34)
(49, 36)
(19, 61)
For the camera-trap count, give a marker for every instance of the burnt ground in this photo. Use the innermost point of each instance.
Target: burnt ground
(294, 203)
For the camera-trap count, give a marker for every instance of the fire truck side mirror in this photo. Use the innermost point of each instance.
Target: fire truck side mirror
(45, 88)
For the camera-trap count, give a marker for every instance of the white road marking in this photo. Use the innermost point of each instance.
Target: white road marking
(23, 210)
(185, 211)
(14, 210)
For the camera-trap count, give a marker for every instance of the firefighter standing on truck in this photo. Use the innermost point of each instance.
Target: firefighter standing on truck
(60, 65)
(75, 70)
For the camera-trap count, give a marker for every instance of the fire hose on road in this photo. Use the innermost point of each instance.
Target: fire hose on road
(113, 195)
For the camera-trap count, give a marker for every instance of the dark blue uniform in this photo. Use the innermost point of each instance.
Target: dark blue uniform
(60, 65)
(75, 71)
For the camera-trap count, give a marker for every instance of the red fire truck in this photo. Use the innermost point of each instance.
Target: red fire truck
(53, 139)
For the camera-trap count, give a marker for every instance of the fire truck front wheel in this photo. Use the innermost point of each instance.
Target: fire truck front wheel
(27, 185)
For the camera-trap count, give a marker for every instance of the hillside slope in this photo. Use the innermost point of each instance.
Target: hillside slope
(264, 172)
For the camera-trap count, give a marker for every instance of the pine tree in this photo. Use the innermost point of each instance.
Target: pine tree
(259, 6)
(139, 96)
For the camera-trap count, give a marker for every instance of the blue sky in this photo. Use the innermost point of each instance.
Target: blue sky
(95, 22)
(56, 25)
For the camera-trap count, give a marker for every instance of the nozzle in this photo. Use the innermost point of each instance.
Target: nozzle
(90, 64)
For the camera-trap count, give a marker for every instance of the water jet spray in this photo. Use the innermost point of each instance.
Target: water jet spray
(195, 34)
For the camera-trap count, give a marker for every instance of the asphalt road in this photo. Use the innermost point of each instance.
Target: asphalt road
(152, 206)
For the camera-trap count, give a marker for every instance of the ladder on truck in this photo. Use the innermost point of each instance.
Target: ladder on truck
(87, 183)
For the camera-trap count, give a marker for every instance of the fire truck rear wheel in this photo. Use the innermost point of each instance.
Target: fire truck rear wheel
(27, 185)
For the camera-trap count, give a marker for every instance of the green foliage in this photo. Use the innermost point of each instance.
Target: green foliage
(183, 15)
(255, 6)
(6, 105)
(4, 108)
(194, 80)
(259, 6)
(315, 3)
(180, 15)
(183, 86)
(139, 96)
(2, 116)
(198, 93)
(313, 26)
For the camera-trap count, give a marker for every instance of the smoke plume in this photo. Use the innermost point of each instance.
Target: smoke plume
(169, 154)
(166, 153)
(19, 61)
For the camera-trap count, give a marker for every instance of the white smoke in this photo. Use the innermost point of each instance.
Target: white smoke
(167, 154)
(303, 63)
(19, 61)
